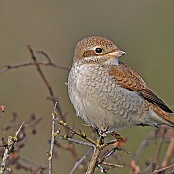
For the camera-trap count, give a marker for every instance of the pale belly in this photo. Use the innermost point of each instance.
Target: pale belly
(101, 102)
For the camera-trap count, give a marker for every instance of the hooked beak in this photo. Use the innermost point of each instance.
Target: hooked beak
(117, 53)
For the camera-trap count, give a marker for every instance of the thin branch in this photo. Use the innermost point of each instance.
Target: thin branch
(166, 134)
(48, 85)
(157, 171)
(98, 146)
(77, 141)
(109, 166)
(40, 72)
(54, 115)
(94, 160)
(52, 97)
(168, 153)
(79, 133)
(155, 161)
(80, 161)
(45, 63)
(8, 149)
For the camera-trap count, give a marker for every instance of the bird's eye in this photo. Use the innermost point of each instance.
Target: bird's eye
(98, 50)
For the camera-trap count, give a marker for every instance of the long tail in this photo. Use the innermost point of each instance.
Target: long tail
(166, 119)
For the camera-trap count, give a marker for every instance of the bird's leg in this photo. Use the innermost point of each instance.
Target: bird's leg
(102, 133)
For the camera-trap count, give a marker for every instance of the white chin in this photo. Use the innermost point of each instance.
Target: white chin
(111, 61)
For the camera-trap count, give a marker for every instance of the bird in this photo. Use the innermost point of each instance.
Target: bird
(107, 94)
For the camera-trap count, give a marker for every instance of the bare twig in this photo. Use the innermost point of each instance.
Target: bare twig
(52, 97)
(77, 141)
(97, 145)
(48, 85)
(168, 153)
(94, 160)
(45, 63)
(108, 166)
(79, 133)
(165, 134)
(8, 149)
(54, 115)
(80, 161)
(40, 72)
(155, 161)
(157, 171)
(37, 64)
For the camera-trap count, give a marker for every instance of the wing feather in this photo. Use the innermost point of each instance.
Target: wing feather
(130, 80)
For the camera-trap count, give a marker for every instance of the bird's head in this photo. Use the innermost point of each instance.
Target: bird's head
(97, 50)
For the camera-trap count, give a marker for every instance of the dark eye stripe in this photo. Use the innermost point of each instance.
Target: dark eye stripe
(89, 53)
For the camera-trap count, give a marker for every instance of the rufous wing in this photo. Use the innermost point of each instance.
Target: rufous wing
(130, 80)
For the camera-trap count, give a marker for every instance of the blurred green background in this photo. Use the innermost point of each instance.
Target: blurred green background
(144, 29)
